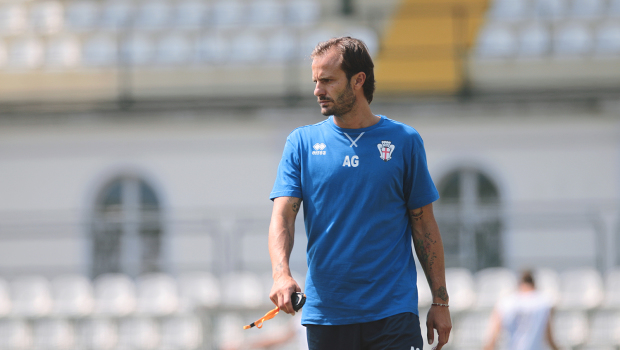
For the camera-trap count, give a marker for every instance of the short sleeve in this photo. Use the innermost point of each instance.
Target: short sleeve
(419, 187)
(288, 179)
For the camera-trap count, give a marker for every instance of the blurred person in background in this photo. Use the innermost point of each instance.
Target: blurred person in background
(366, 192)
(526, 316)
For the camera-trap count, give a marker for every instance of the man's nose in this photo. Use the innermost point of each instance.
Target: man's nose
(318, 90)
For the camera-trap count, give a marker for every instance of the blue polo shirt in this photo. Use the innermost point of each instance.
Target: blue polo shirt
(357, 186)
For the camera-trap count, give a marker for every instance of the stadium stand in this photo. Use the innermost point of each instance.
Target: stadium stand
(581, 289)
(30, 297)
(212, 310)
(198, 290)
(72, 295)
(115, 295)
(157, 295)
(491, 285)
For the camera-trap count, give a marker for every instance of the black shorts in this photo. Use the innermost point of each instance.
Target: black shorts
(398, 332)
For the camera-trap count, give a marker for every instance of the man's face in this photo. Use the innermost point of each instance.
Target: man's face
(333, 90)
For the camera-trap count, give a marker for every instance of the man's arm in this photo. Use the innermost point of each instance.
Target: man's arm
(281, 239)
(495, 328)
(549, 331)
(429, 249)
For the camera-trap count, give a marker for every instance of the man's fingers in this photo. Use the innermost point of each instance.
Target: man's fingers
(430, 333)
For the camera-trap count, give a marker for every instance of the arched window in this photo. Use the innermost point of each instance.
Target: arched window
(126, 228)
(468, 214)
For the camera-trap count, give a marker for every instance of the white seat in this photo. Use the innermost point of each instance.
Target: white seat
(570, 328)
(116, 14)
(152, 15)
(157, 294)
(214, 48)
(550, 9)
(138, 333)
(173, 48)
(62, 52)
(302, 13)
(509, 10)
(25, 53)
(190, 14)
(608, 39)
(229, 331)
(496, 41)
(247, 47)
(198, 290)
(73, 296)
(243, 289)
(534, 40)
(53, 334)
(573, 39)
(547, 281)
(182, 333)
(46, 16)
(612, 290)
(99, 50)
(138, 49)
(365, 34)
(492, 284)
(31, 297)
(470, 330)
(604, 329)
(312, 38)
(13, 18)
(96, 334)
(266, 13)
(281, 46)
(115, 295)
(228, 13)
(460, 285)
(581, 289)
(586, 8)
(4, 54)
(82, 15)
(15, 334)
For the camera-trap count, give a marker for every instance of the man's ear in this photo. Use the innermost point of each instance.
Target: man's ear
(357, 81)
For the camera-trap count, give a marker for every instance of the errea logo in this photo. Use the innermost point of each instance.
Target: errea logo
(319, 149)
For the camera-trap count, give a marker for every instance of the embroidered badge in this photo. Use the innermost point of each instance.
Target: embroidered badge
(385, 149)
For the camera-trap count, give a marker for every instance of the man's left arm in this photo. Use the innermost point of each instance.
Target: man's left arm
(429, 249)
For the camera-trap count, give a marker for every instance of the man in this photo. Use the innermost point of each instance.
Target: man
(526, 316)
(366, 191)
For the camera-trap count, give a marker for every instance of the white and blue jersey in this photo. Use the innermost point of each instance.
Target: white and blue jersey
(356, 186)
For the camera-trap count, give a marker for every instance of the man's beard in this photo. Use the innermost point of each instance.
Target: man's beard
(343, 104)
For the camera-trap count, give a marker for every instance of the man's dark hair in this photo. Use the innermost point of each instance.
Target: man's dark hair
(355, 59)
(527, 277)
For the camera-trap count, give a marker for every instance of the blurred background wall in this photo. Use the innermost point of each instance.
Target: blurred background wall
(139, 141)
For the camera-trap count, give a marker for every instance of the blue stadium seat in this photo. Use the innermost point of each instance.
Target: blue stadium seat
(152, 15)
(550, 9)
(586, 8)
(116, 14)
(302, 13)
(228, 13)
(138, 49)
(173, 49)
(266, 13)
(509, 10)
(190, 14)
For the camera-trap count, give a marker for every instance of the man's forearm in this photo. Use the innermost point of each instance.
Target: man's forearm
(282, 236)
(429, 249)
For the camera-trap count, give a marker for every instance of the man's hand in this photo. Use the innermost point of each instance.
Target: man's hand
(283, 287)
(438, 318)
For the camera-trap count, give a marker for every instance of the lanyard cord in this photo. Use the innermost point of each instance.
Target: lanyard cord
(268, 316)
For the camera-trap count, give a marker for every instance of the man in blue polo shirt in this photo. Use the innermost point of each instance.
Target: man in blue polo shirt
(366, 193)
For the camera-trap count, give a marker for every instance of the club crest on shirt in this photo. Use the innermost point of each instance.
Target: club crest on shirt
(385, 150)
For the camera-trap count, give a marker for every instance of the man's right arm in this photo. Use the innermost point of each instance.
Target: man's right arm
(281, 239)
